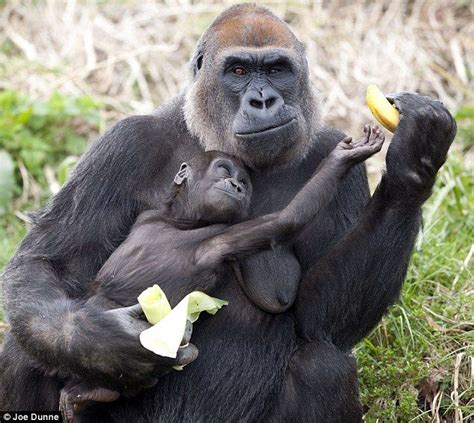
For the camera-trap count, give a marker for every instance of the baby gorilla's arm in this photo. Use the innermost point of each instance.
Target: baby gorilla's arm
(261, 233)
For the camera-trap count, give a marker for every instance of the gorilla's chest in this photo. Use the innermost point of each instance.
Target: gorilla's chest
(271, 278)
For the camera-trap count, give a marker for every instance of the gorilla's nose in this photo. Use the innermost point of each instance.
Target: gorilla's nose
(234, 185)
(262, 103)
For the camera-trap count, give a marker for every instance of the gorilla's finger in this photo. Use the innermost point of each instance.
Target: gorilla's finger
(367, 131)
(186, 355)
(66, 407)
(399, 100)
(95, 395)
(135, 310)
(187, 333)
(390, 97)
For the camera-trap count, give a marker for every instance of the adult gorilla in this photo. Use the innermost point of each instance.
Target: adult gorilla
(249, 96)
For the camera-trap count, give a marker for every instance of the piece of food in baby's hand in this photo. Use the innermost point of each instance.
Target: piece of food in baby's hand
(166, 334)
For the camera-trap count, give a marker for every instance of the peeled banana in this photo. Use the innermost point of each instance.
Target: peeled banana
(383, 111)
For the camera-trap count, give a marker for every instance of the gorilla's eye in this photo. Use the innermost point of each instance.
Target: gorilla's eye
(226, 169)
(244, 183)
(274, 70)
(239, 70)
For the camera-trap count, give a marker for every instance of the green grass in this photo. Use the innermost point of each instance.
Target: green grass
(416, 346)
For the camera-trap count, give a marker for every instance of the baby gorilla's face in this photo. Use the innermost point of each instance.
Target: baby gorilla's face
(220, 192)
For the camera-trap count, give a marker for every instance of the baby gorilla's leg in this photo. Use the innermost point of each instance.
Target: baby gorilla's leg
(77, 396)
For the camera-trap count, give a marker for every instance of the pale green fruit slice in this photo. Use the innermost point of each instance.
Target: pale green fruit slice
(198, 302)
(154, 304)
(164, 338)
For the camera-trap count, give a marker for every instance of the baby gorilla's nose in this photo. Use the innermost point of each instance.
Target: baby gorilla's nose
(235, 185)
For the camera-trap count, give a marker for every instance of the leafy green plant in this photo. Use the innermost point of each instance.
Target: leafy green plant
(7, 181)
(465, 118)
(37, 133)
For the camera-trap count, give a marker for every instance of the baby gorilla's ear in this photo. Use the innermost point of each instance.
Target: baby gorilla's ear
(182, 174)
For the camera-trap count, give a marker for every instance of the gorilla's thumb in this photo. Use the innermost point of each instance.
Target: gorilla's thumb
(186, 355)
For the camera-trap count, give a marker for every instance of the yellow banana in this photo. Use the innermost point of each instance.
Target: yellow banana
(383, 111)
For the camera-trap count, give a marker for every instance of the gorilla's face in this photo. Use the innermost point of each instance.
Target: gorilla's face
(260, 87)
(217, 188)
(222, 192)
(250, 94)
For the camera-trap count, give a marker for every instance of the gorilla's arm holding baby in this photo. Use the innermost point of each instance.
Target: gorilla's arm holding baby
(47, 282)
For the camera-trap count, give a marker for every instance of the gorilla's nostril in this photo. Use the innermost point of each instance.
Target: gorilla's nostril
(270, 102)
(256, 103)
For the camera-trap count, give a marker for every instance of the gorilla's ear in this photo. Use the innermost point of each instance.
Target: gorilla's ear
(198, 63)
(182, 174)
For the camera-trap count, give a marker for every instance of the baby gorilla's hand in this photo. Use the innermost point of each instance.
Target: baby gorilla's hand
(355, 152)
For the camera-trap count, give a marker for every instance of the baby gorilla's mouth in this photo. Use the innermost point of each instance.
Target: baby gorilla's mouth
(230, 193)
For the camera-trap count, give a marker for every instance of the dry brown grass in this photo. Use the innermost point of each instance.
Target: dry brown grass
(133, 55)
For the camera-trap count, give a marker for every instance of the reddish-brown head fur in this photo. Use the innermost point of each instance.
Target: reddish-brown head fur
(251, 26)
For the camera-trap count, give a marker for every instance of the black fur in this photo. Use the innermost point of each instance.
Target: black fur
(253, 366)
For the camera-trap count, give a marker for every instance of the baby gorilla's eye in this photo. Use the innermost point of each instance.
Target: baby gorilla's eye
(226, 169)
(239, 70)
(275, 70)
(243, 183)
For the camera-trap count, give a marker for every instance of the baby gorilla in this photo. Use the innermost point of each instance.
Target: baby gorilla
(200, 229)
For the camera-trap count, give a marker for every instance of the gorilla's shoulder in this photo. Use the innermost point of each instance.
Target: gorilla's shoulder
(326, 138)
(165, 125)
(324, 141)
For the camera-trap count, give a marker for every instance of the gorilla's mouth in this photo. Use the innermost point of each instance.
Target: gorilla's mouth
(229, 193)
(267, 130)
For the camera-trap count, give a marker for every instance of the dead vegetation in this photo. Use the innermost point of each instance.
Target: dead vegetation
(133, 55)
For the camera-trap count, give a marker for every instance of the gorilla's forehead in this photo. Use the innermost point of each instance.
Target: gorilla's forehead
(253, 30)
(257, 53)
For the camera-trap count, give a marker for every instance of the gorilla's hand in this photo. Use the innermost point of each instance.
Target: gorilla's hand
(130, 318)
(419, 146)
(128, 367)
(79, 395)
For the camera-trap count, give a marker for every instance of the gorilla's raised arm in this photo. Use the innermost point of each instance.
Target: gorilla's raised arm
(46, 282)
(345, 294)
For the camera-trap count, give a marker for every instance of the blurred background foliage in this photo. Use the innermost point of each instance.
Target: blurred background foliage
(71, 68)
